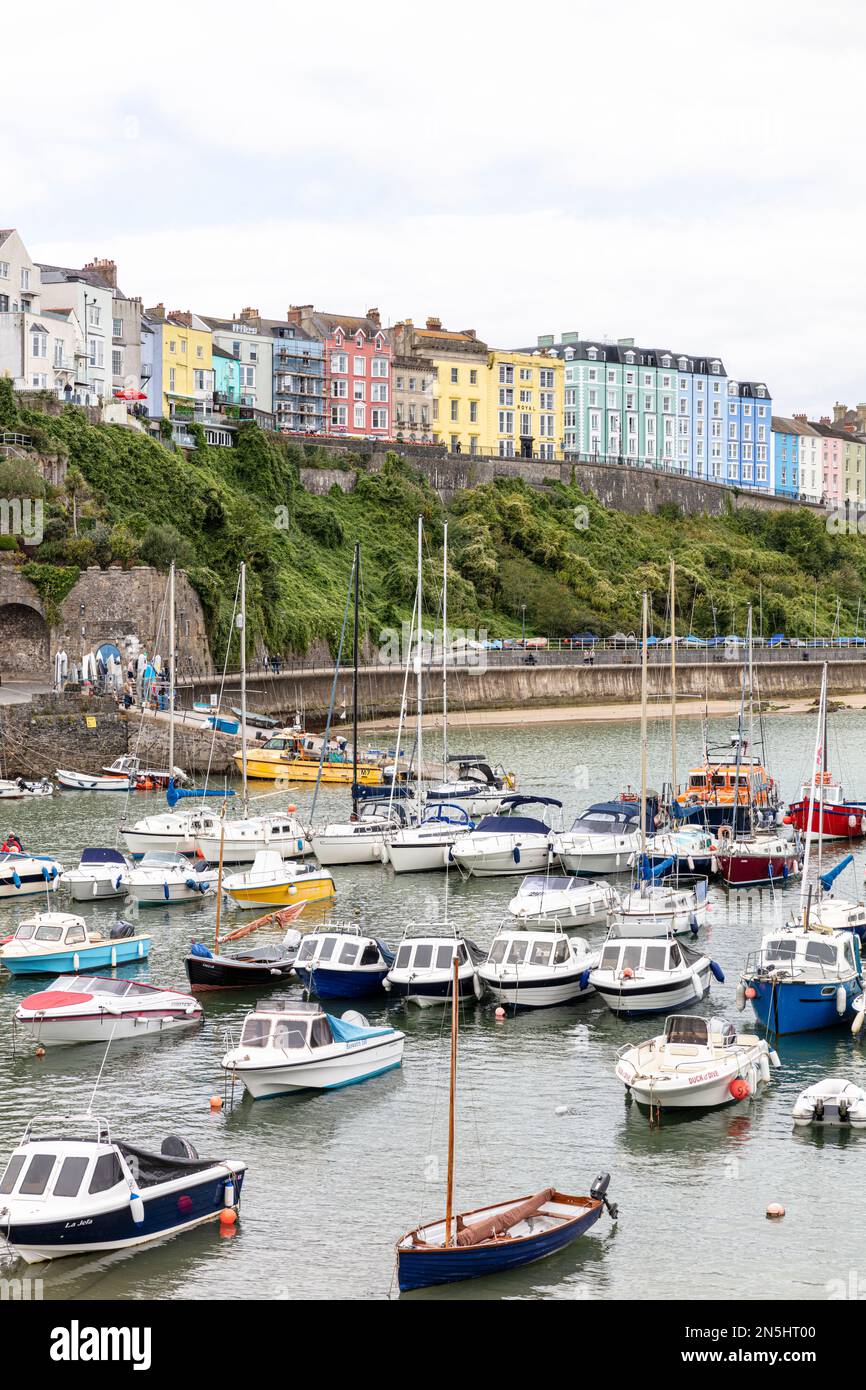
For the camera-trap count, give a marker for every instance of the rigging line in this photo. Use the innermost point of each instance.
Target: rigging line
(327, 734)
(138, 738)
(223, 681)
(403, 709)
(102, 1068)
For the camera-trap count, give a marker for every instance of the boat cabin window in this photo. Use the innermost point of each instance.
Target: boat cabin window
(277, 743)
(320, 1032)
(370, 954)
(699, 781)
(289, 1032)
(403, 957)
(655, 958)
(326, 949)
(423, 956)
(72, 1170)
(610, 958)
(561, 952)
(256, 1031)
(24, 932)
(691, 1032)
(778, 949)
(53, 934)
(445, 957)
(349, 953)
(497, 951)
(10, 1177)
(540, 953)
(676, 954)
(107, 1173)
(517, 953)
(631, 957)
(35, 1180)
(307, 949)
(824, 952)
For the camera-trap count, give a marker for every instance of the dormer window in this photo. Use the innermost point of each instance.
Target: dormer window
(380, 342)
(592, 354)
(761, 391)
(681, 363)
(360, 340)
(666, 361)
(569, 353)
(714, 367)
(629, 357)
(338, 337)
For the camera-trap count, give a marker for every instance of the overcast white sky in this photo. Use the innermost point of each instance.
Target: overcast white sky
(688, 175)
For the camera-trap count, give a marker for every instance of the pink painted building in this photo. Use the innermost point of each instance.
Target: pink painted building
(358, 362)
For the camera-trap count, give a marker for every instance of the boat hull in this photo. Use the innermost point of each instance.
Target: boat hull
(422, 1267)
(801, 1008)
(100, 1027)
(262, 769)
(218, 972)
(754, 870)
(431, 993)
(535, 994)
(418, 856)
(835, 824)
(163, 894)
(29, 884)
(283, 894)
(343, 984)
(348, 849)
(332, 1074)
(86, 890)
(591, 862)
(635, 1002)
(119, 951)
(499, 863)
(237, 851)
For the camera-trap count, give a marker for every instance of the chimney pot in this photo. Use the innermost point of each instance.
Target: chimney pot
(434, 324)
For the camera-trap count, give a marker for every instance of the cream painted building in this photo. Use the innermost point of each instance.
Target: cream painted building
(41, 349)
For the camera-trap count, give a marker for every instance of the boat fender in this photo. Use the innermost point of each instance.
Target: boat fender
(841, 1000)
(75, 961)
(852, 821)
(113, 956)
(697, 983)
(751, 992)
(136, 1206)
(165, 890)
(775, 1058)
(229, 1194)
(477, 987)
(819, 1108)
(516, 854)
(691, 864)
(300, 843)
(741, 997)
(15, 879)
(693, 924)
(739, 1088)
(765, 1067)
(857, 1025)
(628, 973)
(584, 979)
(863, 825)
(204, 887)
(190, 883)
(45, 874)
(842, 1103)
(718, 972)
(714, 866)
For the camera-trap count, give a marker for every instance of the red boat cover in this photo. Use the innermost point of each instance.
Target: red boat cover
(497, 1225)
(53, 999)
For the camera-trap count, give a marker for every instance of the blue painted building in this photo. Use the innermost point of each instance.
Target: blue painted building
(786, 457)
(227, 377)
(748, 436)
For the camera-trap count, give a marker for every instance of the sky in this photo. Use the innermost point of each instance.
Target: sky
(686, 175)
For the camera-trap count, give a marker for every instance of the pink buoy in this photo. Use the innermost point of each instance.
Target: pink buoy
(500, 1013)
(775, 1211)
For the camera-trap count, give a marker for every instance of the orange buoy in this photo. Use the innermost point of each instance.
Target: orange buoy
(628, 973)
(775, 1211)
(216, 1102)
(500, 1012)
(40, 1052)
(751, 992)
(291, 810)
(228, 1217)
(739, 1088)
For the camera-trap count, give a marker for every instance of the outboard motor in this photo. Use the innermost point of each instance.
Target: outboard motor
(174, 1146)
(599, 1190)
(121, 929)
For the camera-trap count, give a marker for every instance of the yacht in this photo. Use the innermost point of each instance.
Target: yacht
(362, 838)
(478, 787)
(602, 840)
(548, 900)
(427, 846)
(510, 842)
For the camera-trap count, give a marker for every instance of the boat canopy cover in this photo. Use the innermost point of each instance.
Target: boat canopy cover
(627, 813)
(351, 1032)
(511, 825)
(829, 878)
(649, 871)
(548, 883)
(101, 856)
(512, 802)
(198, 948)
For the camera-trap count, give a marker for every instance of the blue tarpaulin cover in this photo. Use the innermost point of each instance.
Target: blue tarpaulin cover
(351, 1032)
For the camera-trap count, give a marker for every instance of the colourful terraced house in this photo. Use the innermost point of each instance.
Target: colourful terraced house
(185, 355)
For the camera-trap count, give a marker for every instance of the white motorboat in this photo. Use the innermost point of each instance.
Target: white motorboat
(423, 970)
(52, 943)
(161, 877)
(101, 873)
(19, 788)
(242, 838)
(361, 839)
(277, 882)
(602, 840)
(509, 842)
(695, 1064)
(173, 831)
(691, 848)
(656, 908)
(530, 967)
(22, 874)
(99, 1008)
(645, 976)
(831, 1102)
(91, 781)
(69, 1189)
(547, 900)
(422, 848)
(298, 1047)
(478, 787)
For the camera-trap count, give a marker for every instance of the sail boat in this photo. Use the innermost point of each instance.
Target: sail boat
(361, 839)
(748, 860)
(655, 908)
(491, 1239)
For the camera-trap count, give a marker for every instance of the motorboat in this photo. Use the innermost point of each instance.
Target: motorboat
(822, 908)
(478, 787)
(832, 1101)
(427, 846)
(823, 808)
(510, 842)
(361, 839)
(292, 756)
(253, 967)
(695, 1064)
(101, 873)
(22, 874)
(691, 848)
(172, 831)
(423, 966)
(645, 976)
(100, 1008)
(52, 943)
(491, 1240)
(530, 967)
(802, 979)
(128, 765)
(19, 788)
(298, 1047)
(756, 860)
(339, 961)
(243, 838)
(277, 882)
(161, 877)
(70, 1189)
(730, 787)
(92, 781)
(602, 840)
(547, 900)
(656, 907)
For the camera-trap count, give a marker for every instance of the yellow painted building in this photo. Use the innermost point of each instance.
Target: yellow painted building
(185, 351)
(525, 399)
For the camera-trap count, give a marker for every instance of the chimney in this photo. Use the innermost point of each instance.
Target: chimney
(297, 313)
(373, 316)
(107, 269)
(825, 419)
(157, 312)
(182, 316)
(249, 316)
(434, 325)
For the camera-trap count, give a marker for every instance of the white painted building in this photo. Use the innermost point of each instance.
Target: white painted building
(86, 295)
(41, 349)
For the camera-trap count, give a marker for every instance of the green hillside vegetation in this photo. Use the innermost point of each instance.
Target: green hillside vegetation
(574, 563)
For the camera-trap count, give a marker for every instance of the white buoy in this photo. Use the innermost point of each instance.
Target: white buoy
(561, 1110)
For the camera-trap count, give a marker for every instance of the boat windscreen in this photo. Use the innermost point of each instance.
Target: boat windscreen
(691, 1032)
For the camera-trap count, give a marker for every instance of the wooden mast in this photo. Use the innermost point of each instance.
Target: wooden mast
(449, 1190)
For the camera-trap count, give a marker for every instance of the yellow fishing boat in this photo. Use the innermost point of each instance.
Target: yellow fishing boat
(292, 757)
(276, 882)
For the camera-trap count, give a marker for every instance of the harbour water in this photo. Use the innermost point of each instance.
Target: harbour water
(334, 1178)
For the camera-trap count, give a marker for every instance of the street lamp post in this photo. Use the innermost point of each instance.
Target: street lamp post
(523, 624)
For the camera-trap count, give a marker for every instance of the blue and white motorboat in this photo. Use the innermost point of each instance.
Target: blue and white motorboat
(338, 961)
(422, 972)
(530, 967)
(803, 979)
(22, 874)
(287, 1047)
(510, 842)
(478, 788)
(691, 849)
(418, 848)
(70, 1189)
(57, 943)
(161, 877)
(645, 976)
(101, 873)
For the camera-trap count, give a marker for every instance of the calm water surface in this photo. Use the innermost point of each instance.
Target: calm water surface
(334, 1179)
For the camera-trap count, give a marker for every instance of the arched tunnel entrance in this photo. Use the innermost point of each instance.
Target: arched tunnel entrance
(24, 644)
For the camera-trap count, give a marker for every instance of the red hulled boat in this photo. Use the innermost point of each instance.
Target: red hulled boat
(832, 817)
